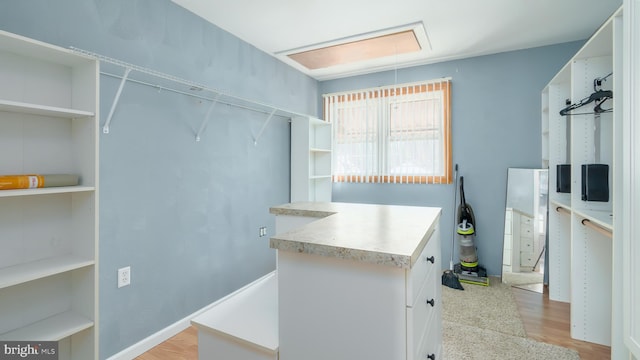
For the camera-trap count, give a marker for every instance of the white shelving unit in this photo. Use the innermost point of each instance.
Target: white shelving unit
(49, 236)
(580, 232)
(310, 159)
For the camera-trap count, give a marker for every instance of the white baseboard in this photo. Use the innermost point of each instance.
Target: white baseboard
(153, 340)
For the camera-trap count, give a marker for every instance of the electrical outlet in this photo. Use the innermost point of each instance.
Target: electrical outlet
(263, 231)
(124, 276)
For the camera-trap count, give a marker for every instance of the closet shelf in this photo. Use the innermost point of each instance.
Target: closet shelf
(318, 177)
(558, 203)
(37, 109)
(18, 274)
(44, 191)
(54, 328)
(316, 150)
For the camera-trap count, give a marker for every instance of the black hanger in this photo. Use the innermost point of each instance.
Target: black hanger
(599, 97)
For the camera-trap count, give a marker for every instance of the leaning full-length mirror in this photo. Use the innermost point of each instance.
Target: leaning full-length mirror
(525, 224)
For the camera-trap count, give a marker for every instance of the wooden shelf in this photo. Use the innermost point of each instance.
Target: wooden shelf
(316, 177)
(316, 150)
(14, 275)
(44, 191)
(54, 328)
(37, 109)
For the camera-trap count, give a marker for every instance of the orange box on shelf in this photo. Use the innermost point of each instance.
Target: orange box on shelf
(36, 181)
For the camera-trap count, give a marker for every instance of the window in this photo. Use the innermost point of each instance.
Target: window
(393, 134)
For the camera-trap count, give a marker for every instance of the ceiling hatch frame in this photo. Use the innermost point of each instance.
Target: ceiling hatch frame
(311, 55)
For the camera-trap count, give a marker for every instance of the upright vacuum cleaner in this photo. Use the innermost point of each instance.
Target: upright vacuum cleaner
(468, 270)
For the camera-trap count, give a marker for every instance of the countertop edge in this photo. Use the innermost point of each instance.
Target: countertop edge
(364, 256)
(322, 210)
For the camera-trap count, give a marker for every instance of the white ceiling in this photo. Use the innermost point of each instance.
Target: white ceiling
(455, 28)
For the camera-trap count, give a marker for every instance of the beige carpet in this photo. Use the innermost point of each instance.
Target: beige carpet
(483, 322)
(462, 342)
(490, 307)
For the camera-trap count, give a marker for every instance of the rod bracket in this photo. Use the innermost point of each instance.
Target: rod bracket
(105, 128)
(203, 125)
(264, 126)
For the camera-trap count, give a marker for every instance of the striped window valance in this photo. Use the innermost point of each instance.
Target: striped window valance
(392, 134)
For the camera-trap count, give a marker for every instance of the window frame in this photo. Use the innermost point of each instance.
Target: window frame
(438, 85)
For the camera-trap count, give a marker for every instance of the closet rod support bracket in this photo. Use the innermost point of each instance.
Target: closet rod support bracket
(105, 128)
(203, 125)
(264, 126)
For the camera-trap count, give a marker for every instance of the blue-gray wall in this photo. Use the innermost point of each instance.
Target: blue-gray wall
(183, 214)
(495, 125)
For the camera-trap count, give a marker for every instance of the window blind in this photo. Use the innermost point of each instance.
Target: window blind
(392, 134)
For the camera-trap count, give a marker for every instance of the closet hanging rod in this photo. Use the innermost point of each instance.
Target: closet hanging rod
(563, 210)
(231, 100)
(599, 229)
(201, 97)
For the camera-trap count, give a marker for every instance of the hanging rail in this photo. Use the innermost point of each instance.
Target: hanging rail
(219, 96)
(588, 223)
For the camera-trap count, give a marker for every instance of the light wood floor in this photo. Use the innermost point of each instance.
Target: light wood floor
(548, 321)
(544, 320)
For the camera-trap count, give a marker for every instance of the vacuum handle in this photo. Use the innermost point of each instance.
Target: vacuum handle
(463, 200)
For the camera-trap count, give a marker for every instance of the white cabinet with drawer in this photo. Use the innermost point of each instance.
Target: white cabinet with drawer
(349, 308)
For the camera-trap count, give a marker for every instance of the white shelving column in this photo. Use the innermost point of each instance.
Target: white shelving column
(581, 231)
(49, 236)
(559, 89)
(545, 128)
(310, 159)
(592, 143)
(629, 250)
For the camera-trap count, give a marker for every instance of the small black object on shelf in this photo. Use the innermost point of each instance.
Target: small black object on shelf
(595, 182)
(563, 178)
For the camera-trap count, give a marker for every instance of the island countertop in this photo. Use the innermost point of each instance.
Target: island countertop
(382, 234)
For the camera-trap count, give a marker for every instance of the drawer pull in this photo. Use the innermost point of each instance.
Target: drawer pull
(431, 302)
(431, 259)
(431, 356)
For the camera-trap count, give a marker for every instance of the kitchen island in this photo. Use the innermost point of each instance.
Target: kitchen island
(353, 281)
(358, 281)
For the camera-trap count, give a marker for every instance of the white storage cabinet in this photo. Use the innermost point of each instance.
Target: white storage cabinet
(49, 236)
(345, 309)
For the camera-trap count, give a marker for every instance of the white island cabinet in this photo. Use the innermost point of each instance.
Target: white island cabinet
(358, 281)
